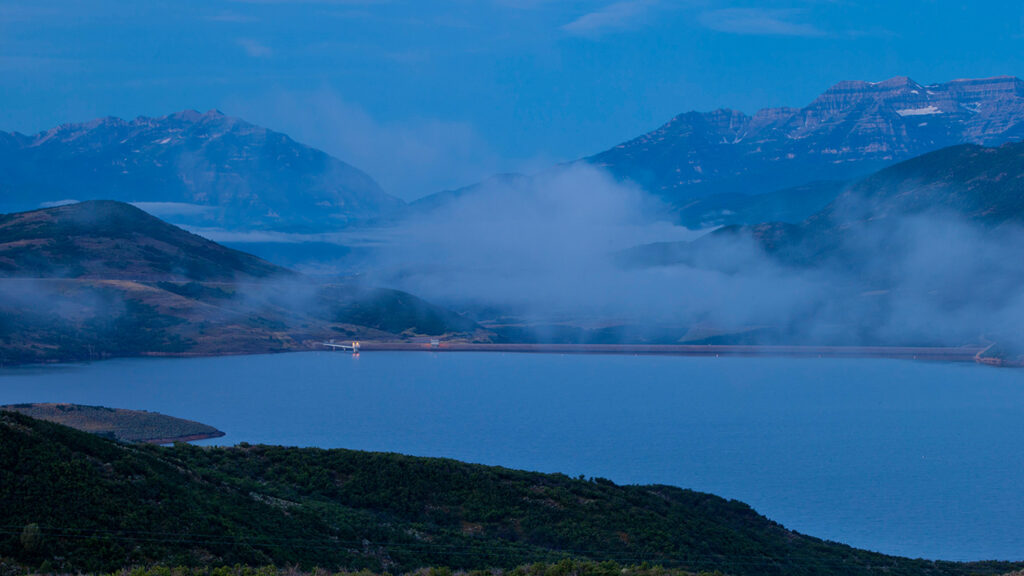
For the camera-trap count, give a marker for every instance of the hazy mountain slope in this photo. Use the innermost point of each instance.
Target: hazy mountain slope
(925, 252)
(504, 182)
(788, 205)
(212, 168)
(983, 185)
(970, 184)
(852, 129)
(102, 505)
(101, 279)
(961, 186)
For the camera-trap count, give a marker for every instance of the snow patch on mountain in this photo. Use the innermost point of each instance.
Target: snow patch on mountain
(926, 111)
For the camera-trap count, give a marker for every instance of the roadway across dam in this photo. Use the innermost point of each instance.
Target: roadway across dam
(948, 354)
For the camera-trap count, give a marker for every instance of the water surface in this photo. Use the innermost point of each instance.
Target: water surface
(911, 458)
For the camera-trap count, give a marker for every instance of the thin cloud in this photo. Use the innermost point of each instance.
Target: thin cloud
(615, 17)
(525, 4)
(409, 158)
(332, 2)
(254, 48)
(232, 17)
(758, 22)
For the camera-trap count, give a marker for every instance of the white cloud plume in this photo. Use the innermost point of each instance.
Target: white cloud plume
(254, 48)
(616, 17)
(409, 158)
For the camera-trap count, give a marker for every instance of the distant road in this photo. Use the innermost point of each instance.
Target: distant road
(959, 354)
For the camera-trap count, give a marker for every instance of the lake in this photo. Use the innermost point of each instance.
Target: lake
(911, 458)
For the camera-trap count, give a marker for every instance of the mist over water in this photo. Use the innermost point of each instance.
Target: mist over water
(540, 248)
(562, 247)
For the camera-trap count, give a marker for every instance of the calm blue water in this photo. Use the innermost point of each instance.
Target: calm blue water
(916, 459)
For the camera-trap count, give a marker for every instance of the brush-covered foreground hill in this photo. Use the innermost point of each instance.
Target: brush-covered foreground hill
(195, 168)
(94, 504)
(101, 279)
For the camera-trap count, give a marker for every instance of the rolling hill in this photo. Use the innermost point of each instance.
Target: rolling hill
(116, 241)
(87, 503)
(100, 279)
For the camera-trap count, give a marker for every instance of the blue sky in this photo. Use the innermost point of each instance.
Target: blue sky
(426, 95)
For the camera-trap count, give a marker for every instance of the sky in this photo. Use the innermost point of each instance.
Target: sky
(426, 95)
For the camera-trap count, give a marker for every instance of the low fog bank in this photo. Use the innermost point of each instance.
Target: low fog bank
(539, 250)
(530, 261)
(931, 277)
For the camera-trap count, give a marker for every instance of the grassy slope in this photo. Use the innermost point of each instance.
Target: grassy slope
(113, 240)
(101, 279)
(99, 505)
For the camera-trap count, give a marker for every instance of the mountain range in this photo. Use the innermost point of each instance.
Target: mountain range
(710, 168)
(193, 168)
(725, 167)
(188, 295)
(852, 129)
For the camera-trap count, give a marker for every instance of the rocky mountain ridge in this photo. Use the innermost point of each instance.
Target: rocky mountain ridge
(192, 168)
(852, 129)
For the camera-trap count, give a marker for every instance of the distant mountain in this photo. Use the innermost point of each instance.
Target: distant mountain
(503, 182)
(101, 279)
(193, 168)
(925, 252)
(788, 205)
(851, 130)
(969, 184)
(981, 184)
(725, 168)
(85, 504)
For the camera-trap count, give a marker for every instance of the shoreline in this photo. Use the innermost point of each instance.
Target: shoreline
(937, 353)
(121, 424)
(950, 354)
(189, 438)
